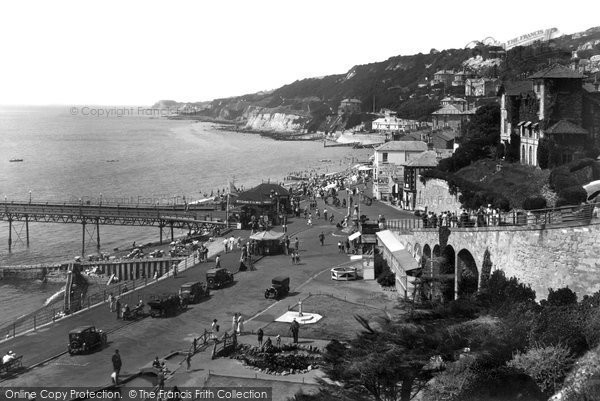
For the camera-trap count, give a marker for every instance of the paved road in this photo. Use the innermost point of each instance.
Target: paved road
(141, 341)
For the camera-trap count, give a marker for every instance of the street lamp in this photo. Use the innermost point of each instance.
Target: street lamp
(30, 197)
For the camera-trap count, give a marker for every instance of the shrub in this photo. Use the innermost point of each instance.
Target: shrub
(591, 329)
(572, 195)
(560, 178)
(386, 279)
(559, 325)
(502, 290)
(561, 297)
(548, 366)
(534, 202)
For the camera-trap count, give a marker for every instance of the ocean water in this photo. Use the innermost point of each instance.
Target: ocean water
(124, 159)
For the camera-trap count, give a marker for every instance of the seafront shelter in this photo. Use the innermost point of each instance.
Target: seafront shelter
(266, 203)
(400, 261)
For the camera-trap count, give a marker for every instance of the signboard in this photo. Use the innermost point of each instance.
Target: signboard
(540, 35)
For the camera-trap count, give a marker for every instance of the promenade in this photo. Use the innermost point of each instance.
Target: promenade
(140, 341)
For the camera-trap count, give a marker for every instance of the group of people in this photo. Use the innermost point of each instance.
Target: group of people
(481, 217)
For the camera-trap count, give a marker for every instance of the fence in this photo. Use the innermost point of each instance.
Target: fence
(581, 214)
(225, 344)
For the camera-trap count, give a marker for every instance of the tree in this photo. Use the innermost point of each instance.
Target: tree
(386, 362)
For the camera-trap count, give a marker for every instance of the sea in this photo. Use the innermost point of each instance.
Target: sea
(73, 154)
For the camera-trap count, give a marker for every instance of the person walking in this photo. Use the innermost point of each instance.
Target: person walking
(225, 245)
(322, 238)
(259, 336)
(111, 302)
(217, 262)
(340, 247)
(118, 307)
(240, 324)
(278, 338)
(214, 329)
(295, 328)
(234, 323)
(117, 364)
(188, 360)
(297, 244)
(347, 245)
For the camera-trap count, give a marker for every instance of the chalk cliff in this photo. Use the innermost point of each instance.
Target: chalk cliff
(267, 119)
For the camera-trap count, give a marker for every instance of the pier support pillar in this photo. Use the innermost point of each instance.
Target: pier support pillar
(456, 277)
(172, 236)
(27, 229)
(82, 239)
(9, 235)
(160, 228)
(98, 235)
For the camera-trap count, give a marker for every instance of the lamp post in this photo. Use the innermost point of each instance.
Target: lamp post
(30, 197)
(100, 198)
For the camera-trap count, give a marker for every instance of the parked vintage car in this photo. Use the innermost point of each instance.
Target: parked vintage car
(16, 362)
(280, 287)
(166, 305)
(217, 278)
(85, 338)
(194, 291)
(134, 313)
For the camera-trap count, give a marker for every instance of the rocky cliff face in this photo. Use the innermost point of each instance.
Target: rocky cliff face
(266, 119)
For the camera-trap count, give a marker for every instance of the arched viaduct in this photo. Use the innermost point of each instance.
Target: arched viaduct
(543, 257)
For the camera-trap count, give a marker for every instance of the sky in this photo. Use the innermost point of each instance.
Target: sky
(138, 52)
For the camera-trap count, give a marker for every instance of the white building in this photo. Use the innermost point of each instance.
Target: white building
(389, 161)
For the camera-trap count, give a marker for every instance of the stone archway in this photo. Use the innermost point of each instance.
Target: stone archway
(427, 251)
(486, 270)
(446, 273)
(436, 251)
(468, 274)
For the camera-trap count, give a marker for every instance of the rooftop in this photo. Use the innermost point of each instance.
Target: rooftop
(403, 146)
(556, 71)
(449, 109)
(425, 159)
(351, 101)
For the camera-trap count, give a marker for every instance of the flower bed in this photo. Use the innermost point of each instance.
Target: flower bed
(284, 360)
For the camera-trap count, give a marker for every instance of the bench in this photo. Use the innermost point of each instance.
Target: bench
(11, 365)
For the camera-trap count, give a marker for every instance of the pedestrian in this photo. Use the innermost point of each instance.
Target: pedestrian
(347, 245)
(214, 329)
(295, 328)
(117, 363)
(322, 238)
(113, 378)
(111, 302)
(293, 257)
(239, 243)
(161, 379)
(234, 323)
(174, 270)
(240, 324)
(309, 222)
(217, 262)
(278, 338)
(225, 243)
(325, 214)
(118, 307)
(297, 244)
(194, 345)
(340, 247)
(259, 335)
(188, 360)
(231, 243)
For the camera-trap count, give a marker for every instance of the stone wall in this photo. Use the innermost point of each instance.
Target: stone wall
(544, 258)
(435, 195)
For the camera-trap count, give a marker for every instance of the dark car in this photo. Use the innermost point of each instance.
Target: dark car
(217, 278)
(166, 305)
(193, 292)
(280, 287)
(84, 339)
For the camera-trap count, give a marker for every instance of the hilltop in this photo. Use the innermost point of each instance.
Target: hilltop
(400, 83)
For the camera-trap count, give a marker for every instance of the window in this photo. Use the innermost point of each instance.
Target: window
(385, 158)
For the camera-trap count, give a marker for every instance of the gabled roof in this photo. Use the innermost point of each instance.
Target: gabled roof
(445, 135)
(425, 159)
(261, 194)
(556, 71)
(445, 72)
(351, 101)
(403, 146)
(452, 99)
(566, 127)
(448, 109)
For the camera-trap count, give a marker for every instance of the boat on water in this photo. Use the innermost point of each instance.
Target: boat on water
(14, 160)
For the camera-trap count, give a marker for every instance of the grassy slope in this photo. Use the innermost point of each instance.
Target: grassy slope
(515, 181)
